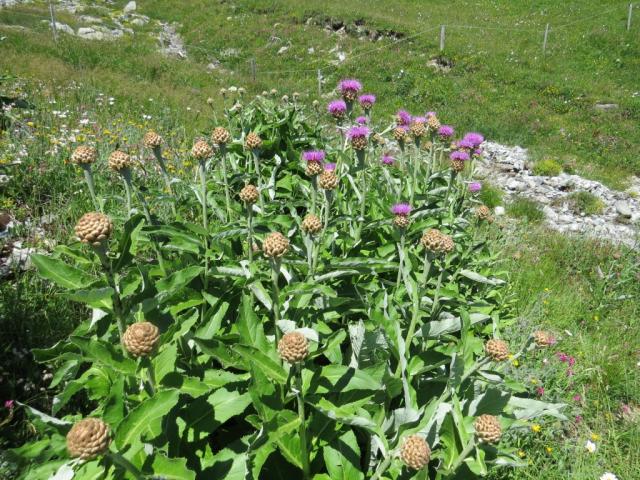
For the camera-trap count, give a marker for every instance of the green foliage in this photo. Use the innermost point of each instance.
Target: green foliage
(585, 202)
(526, 209)
(395, 333)
(547, 167)
(490, 195)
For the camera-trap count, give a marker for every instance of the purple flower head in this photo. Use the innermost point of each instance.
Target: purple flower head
(337, 108)
(475, 187)
(563, 357)
(465, 143)
(474, 138)
(578, 419)
(8, 404)
(477, 152)
(446, 131)
(540, 391)
(403, 118)
(367, 100)
(459, 155)
(313, 155)
(572, 361)
(431, 114)
(357, 132)
(401, 209)
(362, 120)
(388, 160)
(349, 85)
(577, 398)
(419, 120)
(329, 167)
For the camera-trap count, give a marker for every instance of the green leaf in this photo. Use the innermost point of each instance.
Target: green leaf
(172, 468)
(104, 353)
(476, 277)
(165, 362)
(97, 298)
(227, 404)
(332, 378)
(60, 273)
(179, 279)
(145, 421)
(255, 357)
(342, 458)
(249, 327)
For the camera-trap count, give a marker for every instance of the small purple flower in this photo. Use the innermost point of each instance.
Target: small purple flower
(540, 391)
(446, 131)
(466, 143)
(367, 100)
(403, 118)
(572, 361)
(420, 120)
(577, 398)
(358, 132)
(578, 419)
(313, 155)
(349, 88)
(362, 120)
(401, 209)
(329, 167)
(388, 160)
(459, 155)
(431, 114)
(563, 357)
(475, 187)
(8, 404)
(477, 152)
(337, 108)
(474, 138)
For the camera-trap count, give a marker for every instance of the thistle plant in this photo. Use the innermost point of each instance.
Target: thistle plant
(234, 362)
(120, 162)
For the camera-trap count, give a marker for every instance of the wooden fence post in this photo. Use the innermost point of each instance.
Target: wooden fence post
(442, 27)
(629, 17)
(544, 42)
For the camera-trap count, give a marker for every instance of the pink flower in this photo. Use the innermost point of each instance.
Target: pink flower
(569, 372)
(563, 357)
(578, 419)
(540, 391)
(572, 361)
(9, 404)
(577, 398)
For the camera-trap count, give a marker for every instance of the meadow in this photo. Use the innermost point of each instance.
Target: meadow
(496, 81)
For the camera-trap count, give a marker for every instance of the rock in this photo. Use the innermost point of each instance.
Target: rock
(90, 33)
(138, 22)
(550, 213)
(623, 209)
(499, 211)
(283, 49)
(606, 107)
(63, 27)
(130, 7)
(214, 65)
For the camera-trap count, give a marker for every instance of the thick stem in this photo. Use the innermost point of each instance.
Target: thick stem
(250, 230)
(88, 176)
(436, 296)
(426, 268)
(227, 195)
(126, 178)
(256, 163)
(205, 225)
(314, 192)
(363, 204)
(464, 454)
(151, 375)
(157, 152)
(449, 185)
(126, 465)
(401, 254)
(327, 209)
(115, 297)
(275, 295)
(304, 446)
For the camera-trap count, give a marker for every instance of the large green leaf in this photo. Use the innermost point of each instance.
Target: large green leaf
(145, 421)
(172, 468)
(260, 360)
(342, 458)
(59, 272)
(106, 354)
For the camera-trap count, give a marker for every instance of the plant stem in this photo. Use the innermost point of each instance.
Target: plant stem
(205, 224)
(314, 192)
(275, 295)
(115, 297)
(250, 231)
(304, 447)
(227, 195)
(327, 210)
(256, 163)
(449, 185)
(363, 200)
(88, 176)
(126, 465)
(401, 254)
(436, 297)
(151, 374)
(126, 177)
(382, 467)
(464, 454)
(426, 268)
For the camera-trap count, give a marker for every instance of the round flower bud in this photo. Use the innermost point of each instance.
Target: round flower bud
(378, 139)
(543, 338)
(94, 228)
(201, 150)
(313, 169)
(119, 160)
(328, 180)
(252, 142)
(249, 194)
(84, 155)
(433, 123)
(88, 439)
(151, 139)
(140, 339)
(241, 91)
(220, 136)
(483, 213)
(293, 347)
(415, 452)
(210, 101)
(401, 221)
(273, 92)
(457, 165)
(437, 242)
(488, 428)
(275, 245)
(498, 350)
(418, 129)
(285, 99)
(400, 134)
(311, 224)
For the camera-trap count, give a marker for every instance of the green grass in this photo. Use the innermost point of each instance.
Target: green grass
(525, 209)
(585, 202)
(547, 168)
(500, 84)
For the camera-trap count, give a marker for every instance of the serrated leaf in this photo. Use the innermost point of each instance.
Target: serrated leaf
(60, 273)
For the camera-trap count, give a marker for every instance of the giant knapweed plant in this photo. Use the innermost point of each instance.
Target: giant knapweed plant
(320, 301)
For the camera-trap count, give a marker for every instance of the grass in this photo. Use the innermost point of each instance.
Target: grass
(586, 203)
(500, 84)
(547, 168)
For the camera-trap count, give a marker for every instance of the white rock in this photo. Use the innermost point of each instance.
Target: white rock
(90, 33)
(138, 22)
(499, 211)
(623, 209)
(130, 7)
(63, 27)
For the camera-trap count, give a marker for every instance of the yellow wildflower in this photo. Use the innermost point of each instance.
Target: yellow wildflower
(595, 437)
(549, 450)
(521, 454)
(536, 428)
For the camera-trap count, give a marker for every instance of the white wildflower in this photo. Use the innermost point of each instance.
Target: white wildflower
(590, 446)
